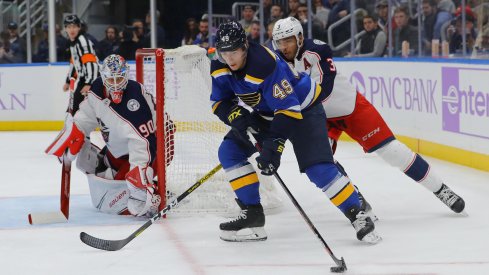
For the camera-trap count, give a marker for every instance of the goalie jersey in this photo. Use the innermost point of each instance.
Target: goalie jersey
(128, 128)
(266, 83)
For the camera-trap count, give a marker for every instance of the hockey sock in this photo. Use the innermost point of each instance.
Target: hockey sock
(244, 181)
(336, 186)
(413, 165)
(239, 172)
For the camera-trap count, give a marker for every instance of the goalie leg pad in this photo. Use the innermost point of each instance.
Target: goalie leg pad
(108, 196)
(88, 159)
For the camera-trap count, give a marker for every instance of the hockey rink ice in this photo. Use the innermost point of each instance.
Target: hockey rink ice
(420, 234)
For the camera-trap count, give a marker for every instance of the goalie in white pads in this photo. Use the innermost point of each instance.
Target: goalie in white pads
(349, 111)
(120, 176)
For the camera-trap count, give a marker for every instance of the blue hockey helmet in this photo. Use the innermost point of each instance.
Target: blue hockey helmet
(230, 36)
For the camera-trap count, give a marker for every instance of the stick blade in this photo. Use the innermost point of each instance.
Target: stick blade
(102, 244)
(47, 218)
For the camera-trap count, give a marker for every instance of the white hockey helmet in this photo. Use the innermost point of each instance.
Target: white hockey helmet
(115, 75)
(287, 27)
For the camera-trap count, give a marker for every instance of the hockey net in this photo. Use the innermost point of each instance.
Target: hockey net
(180, 81)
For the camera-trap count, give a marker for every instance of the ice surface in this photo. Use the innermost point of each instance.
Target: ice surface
(421, 235)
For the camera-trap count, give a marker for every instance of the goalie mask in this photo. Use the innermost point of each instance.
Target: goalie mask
(115, 75)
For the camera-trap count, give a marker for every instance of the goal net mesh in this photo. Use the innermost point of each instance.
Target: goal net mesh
(191, 145)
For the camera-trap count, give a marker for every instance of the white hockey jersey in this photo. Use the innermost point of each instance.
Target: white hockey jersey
(128, 128)
(316, 59)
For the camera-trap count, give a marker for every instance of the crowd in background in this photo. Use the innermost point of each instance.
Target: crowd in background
(440, 22)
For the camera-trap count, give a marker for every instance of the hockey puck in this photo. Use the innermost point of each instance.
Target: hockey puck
(338, 269)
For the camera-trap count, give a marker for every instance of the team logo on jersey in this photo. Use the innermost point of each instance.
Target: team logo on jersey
(318, 42)
(133, 105)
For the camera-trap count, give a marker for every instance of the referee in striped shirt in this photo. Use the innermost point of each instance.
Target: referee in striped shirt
(84, 68)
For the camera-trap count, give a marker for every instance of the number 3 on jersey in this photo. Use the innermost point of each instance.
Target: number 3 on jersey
(283, 90)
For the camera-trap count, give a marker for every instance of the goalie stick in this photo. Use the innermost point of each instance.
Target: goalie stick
(340, 264)
(114, 245)
(63, 214)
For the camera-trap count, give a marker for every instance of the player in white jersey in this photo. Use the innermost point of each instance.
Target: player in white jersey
(120, 176)
(349, 111)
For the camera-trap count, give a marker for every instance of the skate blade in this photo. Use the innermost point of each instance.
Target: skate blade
(372, 238)
(464, 213)
(257, 234)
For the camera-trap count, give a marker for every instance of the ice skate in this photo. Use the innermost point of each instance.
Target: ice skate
(452, 200)
(247, 227)
(365, 207)
(365, 228)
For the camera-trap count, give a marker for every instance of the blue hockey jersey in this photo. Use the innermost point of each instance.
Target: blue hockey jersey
(267, 84)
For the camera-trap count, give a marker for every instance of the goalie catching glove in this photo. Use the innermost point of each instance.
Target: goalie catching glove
(269, 159)
(70, 139)
(142, 200)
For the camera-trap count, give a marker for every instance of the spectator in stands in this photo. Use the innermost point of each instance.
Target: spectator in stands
(267, 6)
(446, 5)
(247, 17)
(321, 12)
(62, 45)
(433, 20)
(317, 26)
(269, 42)
(254, 32)
(138, 29)
(15, 52)
(404, 32)
(382, 9)
(455, 31)
(202, 38)
(160, 32)
(110, 44)
(373, 43)
(339, 9)
(42, 54)
(190, 32)
(293, 6)
(4, 47)
(276, 13)
(129, 43)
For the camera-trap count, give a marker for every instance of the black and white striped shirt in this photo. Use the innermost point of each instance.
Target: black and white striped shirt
(84, 61)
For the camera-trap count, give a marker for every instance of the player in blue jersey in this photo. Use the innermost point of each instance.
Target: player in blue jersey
(349, 111)
(120, 176)
(284, 106)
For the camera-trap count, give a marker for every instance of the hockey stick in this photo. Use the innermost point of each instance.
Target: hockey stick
(114, 245)
(340, 264)
(64, 213)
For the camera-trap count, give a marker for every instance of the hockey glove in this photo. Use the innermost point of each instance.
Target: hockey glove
(69, 140)
(239, 118)
(269, 159)
(142, 198)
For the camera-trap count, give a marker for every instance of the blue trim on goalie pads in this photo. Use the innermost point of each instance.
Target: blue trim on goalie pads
(418, 169)
(324, 175)
(233, 156)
